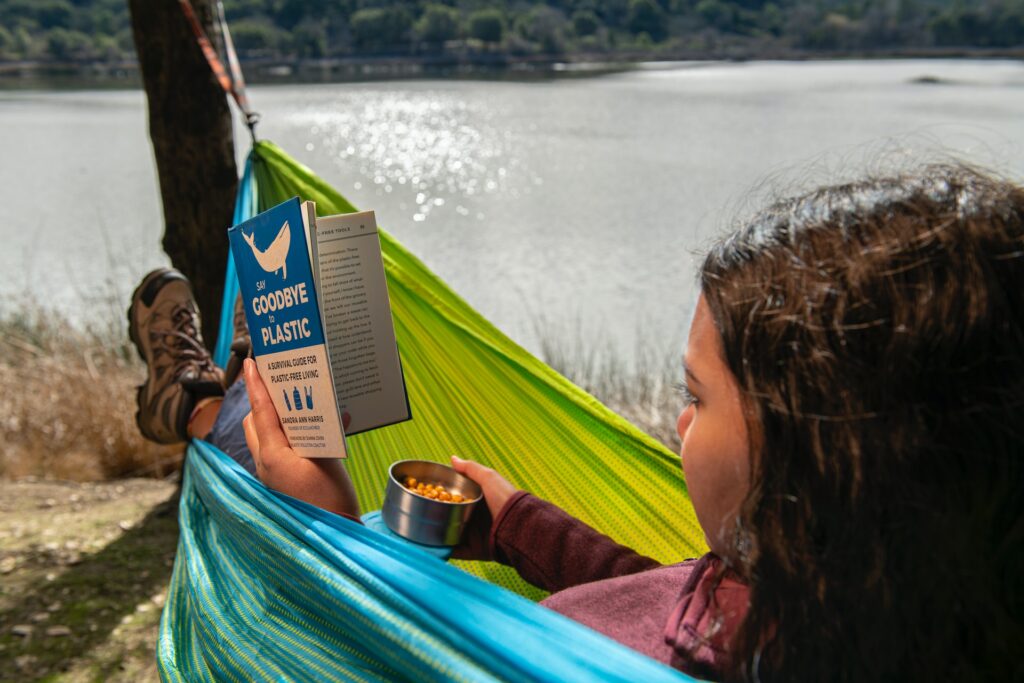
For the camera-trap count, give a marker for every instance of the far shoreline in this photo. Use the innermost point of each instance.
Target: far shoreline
(41, 75)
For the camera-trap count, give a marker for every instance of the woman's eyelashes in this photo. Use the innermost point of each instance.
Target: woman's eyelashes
(688, 398)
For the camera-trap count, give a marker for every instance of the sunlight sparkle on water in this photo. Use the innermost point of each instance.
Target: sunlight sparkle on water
(430, 143)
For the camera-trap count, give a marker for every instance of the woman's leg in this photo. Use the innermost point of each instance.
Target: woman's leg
(225, 430)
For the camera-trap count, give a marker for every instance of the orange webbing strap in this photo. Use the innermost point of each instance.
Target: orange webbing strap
(233, 82)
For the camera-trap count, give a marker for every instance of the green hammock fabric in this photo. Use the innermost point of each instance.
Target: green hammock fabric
(475, 393)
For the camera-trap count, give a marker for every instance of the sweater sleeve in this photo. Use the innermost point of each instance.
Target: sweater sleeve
(555, 551)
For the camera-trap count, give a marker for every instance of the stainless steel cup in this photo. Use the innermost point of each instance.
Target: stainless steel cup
(425, 520)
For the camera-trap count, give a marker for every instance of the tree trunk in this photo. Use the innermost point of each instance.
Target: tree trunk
(190, 127)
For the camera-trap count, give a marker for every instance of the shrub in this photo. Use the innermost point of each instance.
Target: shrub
(543, 25)
(487, 25)
(254, 37)
(380, 27)
(646, 16)
(438, 24)
(585, 23)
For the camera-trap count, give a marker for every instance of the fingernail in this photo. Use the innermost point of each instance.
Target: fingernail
(456, 458)
(248, 366)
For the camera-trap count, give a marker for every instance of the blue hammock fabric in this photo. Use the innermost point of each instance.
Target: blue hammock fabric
(266, 587)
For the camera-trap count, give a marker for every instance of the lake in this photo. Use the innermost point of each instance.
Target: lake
(571, 210)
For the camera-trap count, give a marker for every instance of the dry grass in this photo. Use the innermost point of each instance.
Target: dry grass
(67, 400)
(644, 391)
(67, 392)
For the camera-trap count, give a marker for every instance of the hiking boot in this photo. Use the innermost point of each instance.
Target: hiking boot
(163, 323)
(241, 345)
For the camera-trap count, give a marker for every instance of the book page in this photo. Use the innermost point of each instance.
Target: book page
(357, 321)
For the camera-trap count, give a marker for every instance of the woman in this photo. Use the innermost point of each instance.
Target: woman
(853, 447)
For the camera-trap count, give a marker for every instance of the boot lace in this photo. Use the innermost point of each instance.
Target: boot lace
(183, 343)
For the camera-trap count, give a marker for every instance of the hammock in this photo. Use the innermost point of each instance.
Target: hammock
(267, 587)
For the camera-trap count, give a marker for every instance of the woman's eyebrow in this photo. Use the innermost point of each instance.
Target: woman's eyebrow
(689, 372)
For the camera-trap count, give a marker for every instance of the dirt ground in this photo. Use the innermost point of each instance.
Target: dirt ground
(83, 573)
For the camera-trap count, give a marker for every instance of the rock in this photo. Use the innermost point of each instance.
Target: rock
(7, 565)
(55, 607)
(40, 616)
(52, 576)
(23, 630)
(49, 503)
(125, 525)
(143, 607)
(58, 631)
(159, 599)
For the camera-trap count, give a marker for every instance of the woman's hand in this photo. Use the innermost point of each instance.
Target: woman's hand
(475, 543)
(321, 482)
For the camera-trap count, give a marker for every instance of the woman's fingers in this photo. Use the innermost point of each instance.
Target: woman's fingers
(267, 426)
(473, 470)
(497, 489)
(252, 440)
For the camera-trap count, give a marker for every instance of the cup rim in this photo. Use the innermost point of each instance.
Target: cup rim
(392, 478)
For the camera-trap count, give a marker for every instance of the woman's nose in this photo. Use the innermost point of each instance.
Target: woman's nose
(685, 418)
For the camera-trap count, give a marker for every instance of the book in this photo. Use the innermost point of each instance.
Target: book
(316, 302)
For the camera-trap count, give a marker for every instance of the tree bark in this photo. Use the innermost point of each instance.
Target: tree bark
(190, 127)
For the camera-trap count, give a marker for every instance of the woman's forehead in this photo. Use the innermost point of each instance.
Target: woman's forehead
(703, 344)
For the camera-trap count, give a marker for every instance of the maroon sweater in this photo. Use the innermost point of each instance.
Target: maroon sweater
(673, 613)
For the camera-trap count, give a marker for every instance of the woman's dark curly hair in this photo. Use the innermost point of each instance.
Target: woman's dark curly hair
(876, 330)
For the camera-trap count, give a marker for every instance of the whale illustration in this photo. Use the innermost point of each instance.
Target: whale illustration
(274, 257)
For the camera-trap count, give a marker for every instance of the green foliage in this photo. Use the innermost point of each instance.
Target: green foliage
(80, 30)
(256, 37)
(717, 14)
(544, 27)
(994, 24)
(309, 39)
(646, 16)
(8, 43)
(438, 24)
(380, 28)
(67, 45)
(585, 23)
(487, 25)
(50, 13)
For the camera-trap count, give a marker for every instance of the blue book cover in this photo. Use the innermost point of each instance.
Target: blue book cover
(279, 296)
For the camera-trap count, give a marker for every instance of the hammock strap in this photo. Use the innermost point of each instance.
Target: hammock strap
(233, 82)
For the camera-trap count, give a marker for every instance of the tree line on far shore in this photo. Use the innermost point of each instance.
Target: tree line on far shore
(64, 31)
